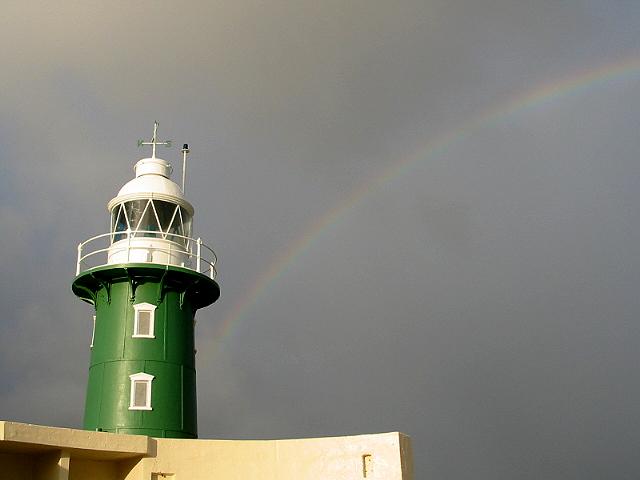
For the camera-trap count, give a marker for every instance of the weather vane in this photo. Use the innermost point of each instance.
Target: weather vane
(154, 141)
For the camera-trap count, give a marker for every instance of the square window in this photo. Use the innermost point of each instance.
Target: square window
(144, 320)
(140, 391)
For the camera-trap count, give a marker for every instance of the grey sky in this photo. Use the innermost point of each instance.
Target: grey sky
(483, 301)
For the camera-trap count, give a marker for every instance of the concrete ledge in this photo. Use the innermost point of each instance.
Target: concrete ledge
(81, 443)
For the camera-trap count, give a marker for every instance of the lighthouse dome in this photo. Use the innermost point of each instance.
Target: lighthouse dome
(152, 181)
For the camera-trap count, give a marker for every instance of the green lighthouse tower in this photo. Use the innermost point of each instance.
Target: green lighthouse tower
(146, 278)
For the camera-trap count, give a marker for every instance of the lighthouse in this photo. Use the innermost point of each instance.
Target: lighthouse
(146, 277)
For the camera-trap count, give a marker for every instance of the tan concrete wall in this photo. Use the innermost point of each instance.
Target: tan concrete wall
(36, 466)
(16, 466)
(31, 452)
(51, 466)
(83, 469)
(346, 458)
(406, 457)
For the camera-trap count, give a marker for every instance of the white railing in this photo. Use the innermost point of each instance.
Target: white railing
(174, 249)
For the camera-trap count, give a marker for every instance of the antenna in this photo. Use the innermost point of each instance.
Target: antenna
(154, 140)
(185, 151)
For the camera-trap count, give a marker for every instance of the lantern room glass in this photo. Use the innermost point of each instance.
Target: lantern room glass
(151, 218)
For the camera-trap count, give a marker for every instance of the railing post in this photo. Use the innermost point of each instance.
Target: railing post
(79, 257)
(199, 242)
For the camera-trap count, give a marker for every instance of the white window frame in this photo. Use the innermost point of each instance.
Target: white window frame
(147, 379)
(144, 307)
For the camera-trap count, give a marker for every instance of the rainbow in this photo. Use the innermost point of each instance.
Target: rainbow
(571, 84)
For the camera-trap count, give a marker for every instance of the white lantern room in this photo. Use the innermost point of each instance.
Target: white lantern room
(150, 218)
(151, 222)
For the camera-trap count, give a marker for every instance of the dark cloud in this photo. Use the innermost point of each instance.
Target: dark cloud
(482, 301)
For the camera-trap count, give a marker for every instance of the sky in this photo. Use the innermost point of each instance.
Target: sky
(425, 214)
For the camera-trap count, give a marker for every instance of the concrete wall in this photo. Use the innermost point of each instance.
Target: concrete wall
(51, 466)
(83, 469)
(347, 458)
(18, 466)
(31, 452)
(37, 466)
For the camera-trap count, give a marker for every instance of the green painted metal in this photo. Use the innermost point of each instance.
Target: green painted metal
(169, 356)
